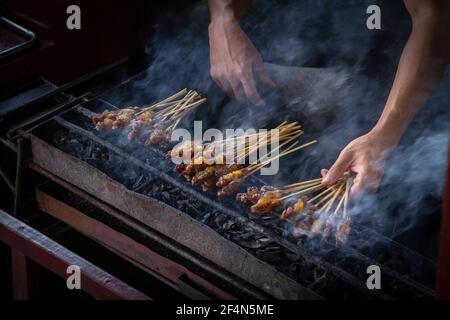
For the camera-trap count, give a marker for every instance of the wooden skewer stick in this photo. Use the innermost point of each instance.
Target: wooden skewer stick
(325, 198)
(261, 164)
(320, 194)
(272, 151)
(328, 206)
(189, 97)
(285, 153)
(298, 188)
(304, 182)
(339, 204)
(169, 99)
(347, 190)
(304, 191)
(187, 109)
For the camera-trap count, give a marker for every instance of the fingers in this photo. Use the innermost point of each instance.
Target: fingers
(219, 77)
(240, 84)
(263, 76)
(249, 85)
(366, 180)
(324, 172)
(338, 169)
(237, 88)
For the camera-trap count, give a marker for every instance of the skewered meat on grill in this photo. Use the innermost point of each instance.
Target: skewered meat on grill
(316, 227)
(157, 136)
(343, 231)
(203, 175)
(266, 205)
(114, 119)
(159, 118)
(189, 146)
(225, 169)
(251, 196)
(104, 120)
(209, 184)
(329, 226)
(296, 208)
(229, 177)
(303, 224)
(124, 117)
(230, 188)
(137, 125)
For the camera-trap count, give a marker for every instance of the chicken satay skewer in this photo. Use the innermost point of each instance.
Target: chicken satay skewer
(343, 228)
(317, 226)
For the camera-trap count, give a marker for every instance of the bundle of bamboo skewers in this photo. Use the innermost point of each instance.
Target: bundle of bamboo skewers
(311, 207)
(153, 124)
(212, 171)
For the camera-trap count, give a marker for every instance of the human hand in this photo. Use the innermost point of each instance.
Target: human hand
(235, 61)
(364, 156)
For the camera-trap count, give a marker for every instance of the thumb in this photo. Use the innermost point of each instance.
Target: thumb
(338, 169)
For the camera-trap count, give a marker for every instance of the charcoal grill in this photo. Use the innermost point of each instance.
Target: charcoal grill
(127, 198)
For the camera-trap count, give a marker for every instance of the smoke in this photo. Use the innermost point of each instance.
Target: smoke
(333, 76)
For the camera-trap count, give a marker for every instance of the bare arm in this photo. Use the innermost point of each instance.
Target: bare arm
(228, 9)
(421, 66)
(234, 60)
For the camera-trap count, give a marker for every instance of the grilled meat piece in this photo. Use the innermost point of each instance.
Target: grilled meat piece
(296, 208)
(342, 231)
(137, 125)
(124, 117)
(104, 120)
(180, 167)
(157, 136)
(203, 175)
(225, 169)
(229, 177)
(209, 184)
(266, 205)
(230, 188)
(194, 148)
(251, 196)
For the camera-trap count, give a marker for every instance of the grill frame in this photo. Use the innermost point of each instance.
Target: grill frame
(46, 162)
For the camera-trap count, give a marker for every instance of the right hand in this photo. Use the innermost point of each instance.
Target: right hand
(235, 61)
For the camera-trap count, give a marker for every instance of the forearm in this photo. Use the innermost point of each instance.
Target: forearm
(227, 10)
(422, 64)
